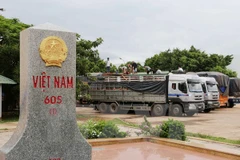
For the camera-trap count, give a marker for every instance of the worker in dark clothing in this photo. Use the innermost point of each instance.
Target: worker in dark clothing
(134, 67)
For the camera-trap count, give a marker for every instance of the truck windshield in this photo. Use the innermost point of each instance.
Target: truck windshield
(212, 87)
(194, 87)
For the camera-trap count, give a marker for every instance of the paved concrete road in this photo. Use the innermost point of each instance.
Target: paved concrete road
(222, 122)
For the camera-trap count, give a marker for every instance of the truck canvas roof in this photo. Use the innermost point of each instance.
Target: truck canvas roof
(222, 79)
(208, 80)
(234, 89)
(183, 77)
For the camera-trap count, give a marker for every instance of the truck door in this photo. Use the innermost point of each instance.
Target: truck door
(178, 91)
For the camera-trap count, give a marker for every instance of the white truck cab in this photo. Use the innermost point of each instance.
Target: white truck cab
(185, 94)
(211, 93)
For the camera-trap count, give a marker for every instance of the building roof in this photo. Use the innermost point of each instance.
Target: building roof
(5, 80)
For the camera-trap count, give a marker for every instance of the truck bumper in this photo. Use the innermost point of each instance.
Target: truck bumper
(194, 107)
(212, 104)
(234, 100)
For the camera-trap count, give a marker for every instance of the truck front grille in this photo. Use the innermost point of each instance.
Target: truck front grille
(215, 96)
(198, 97)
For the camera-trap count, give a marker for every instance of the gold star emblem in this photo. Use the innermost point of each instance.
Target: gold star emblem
(53, 51)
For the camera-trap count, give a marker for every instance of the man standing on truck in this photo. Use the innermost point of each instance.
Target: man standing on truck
(134, 67)
(158, 71)
(108, 65)
(148, 69)
(180, 69)
(124, 69)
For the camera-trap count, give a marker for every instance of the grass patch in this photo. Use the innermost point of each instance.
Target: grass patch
(118, 121)
(217, 139)
(9, 119)
(3, 129)
(85, 116)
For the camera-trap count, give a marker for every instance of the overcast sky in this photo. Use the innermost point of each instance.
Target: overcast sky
(138, 29)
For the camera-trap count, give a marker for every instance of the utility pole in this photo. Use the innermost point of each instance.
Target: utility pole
(122, 60)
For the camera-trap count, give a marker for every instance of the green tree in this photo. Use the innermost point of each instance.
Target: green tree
(226, 71)
(9, 46)
(88, 59)
(9, 55)
(192, 60)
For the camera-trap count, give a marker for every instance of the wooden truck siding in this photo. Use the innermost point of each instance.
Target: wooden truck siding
(126, 96)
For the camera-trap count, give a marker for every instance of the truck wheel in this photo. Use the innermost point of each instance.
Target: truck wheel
(190, 114)
(113, 108)
(231, 105)
(103, 107)
(176, 110)
(207, 110)
(158, 110)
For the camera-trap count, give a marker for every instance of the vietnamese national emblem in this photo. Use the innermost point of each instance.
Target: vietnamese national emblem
(53, 51)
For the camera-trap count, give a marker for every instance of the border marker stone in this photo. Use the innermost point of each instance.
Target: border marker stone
(47, 128)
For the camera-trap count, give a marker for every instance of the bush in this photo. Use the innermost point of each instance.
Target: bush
(100, 129)
(168, 129)
(173, 129)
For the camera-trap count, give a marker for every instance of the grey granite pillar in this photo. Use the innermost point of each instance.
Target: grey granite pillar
(0, 101)
(47, 129)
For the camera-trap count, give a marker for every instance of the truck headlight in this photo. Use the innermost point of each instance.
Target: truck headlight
(192, 107)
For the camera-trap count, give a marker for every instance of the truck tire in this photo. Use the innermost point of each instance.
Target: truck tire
(231, 105)
(190, 114)
(207, 110)
(176, 110)
(113, 108)
(158, 110)
(103, 107)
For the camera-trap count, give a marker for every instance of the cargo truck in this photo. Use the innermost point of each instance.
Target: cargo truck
(234, 92)
(223, 85)
(174, 94)
(211, 94)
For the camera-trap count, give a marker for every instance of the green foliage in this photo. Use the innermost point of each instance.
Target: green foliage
(10, 29)
(192, 60)
(226, 71)
(168, 129)
(173, 129)
(88, 59)
(82, 90)
(10, 118)
(100, 129)
(9, 51)
(113, 68)
(140, 67)
(9, 54)
(121, 122)
(218, 139)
